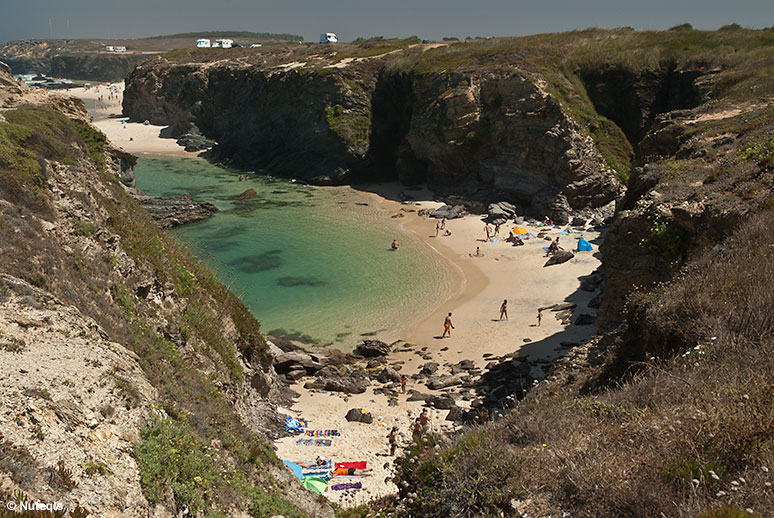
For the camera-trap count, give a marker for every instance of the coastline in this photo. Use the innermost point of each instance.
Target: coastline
(132, 137)
(501, 272)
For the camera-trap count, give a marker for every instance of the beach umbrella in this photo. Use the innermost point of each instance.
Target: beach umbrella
(315, 484)
(519, 230)
(295, 468)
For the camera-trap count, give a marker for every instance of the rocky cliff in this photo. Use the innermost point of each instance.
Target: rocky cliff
(54, 58)
(487, 135)
(134, 383)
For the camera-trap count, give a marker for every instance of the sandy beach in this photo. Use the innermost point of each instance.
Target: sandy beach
(501, 271)
(133, 137)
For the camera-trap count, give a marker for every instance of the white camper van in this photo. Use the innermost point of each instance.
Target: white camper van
(226, 44)
(328, 37)
(203, 44)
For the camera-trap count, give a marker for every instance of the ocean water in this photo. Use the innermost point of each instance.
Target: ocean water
(313, 262)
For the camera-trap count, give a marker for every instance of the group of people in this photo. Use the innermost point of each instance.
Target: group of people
(441, 225)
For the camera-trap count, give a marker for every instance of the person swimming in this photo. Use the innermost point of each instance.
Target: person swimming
(395, 244)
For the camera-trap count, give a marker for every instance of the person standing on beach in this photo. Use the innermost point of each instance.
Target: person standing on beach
(488, 231)
(443, 223)
(437, 228)
(447, 326)
(393, 438)
(403, 383)
(540, 316)
(424, 421)
(504, 310)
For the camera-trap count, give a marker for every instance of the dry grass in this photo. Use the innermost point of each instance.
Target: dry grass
(690, 433)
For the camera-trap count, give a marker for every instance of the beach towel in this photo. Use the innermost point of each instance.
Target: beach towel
(295, 468)
(324, 467)
(564, 232)
(347, 485)
(494, 240)
(294, 425)
(314, 442)
(323, 433)
(357, 465)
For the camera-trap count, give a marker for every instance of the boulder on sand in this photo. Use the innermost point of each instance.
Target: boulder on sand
(357, 415)
(443, 382)
(448, 212)
(387, 375)
(562, 256)
(372, 348)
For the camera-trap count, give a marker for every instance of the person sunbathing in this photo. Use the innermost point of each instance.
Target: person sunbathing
(319, 461)
(351, 472)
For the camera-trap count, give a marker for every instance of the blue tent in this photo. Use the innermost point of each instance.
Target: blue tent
(583, 245)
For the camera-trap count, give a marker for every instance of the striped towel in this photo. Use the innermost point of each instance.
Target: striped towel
(314, 442)
(323, 433)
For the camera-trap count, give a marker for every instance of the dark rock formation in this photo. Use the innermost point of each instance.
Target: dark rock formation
(562, 256)
(371, 348)
(174, 211)
(356, 415)
(494, 132)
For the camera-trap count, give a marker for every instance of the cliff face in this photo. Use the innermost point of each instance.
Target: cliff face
(42, 57)
(495, 134)
(135, 383)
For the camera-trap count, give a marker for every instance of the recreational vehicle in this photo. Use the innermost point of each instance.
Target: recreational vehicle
(203, 44)
(328, 37)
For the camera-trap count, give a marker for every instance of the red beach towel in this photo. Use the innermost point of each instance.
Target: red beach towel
(357, 465)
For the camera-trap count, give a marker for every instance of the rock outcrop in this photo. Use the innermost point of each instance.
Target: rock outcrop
(496, 133)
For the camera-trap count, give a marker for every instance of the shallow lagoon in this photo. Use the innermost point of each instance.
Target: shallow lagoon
(312, 261)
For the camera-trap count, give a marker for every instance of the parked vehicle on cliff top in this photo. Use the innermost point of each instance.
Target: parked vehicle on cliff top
(328, 37)
(203, 43)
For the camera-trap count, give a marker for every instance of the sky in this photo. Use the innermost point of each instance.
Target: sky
(349, 19)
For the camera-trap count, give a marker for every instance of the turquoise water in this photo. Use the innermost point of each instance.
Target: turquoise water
(307, 260)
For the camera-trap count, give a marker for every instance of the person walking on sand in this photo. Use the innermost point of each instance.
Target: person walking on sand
(424, 421)
(488, 231)
(447, 326)
(437, 228)
(504, 310)
(403, 383)
(443, 223)
(540, 316)
(393, 438)
(478, 251)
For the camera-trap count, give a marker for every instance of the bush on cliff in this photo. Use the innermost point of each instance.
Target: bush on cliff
(690, 434)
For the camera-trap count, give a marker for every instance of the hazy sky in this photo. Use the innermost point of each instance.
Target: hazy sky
(428, 19)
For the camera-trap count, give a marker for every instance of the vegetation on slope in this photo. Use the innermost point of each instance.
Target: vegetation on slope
(190, 347)
(690, 434)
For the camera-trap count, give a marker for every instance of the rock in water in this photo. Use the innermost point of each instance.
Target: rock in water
(562, 256)
(249, 193)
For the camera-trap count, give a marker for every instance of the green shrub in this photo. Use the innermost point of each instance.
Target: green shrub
(84, 228)
(685, 470)
(170, 457)
(668, 240)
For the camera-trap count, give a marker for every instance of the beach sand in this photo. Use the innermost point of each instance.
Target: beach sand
(501, 272)
(132, 137)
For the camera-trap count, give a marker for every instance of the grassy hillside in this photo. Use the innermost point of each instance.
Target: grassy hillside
(688, 433)
(192, 336)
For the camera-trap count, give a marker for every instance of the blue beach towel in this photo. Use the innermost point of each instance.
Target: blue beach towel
(295, 468)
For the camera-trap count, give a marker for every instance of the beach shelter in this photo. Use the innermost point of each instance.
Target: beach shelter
(519, 230)
(583, 245)
(295, 468)
(315, 484)
(293, 425)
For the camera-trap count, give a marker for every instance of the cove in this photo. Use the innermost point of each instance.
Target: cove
(313, 263)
